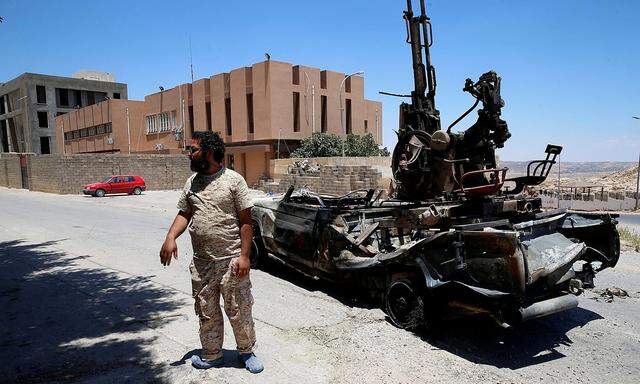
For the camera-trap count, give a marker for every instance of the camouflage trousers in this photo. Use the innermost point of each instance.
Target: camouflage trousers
(210, 279)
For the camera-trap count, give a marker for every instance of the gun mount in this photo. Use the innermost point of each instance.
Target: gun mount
(428, 162)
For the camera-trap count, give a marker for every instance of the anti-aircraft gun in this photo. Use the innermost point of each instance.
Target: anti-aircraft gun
(428, 162)
(449, 238)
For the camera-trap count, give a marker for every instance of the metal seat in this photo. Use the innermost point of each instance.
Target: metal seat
(541, 169)
(491, 188)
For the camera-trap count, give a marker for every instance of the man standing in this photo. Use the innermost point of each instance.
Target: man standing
(216, 207)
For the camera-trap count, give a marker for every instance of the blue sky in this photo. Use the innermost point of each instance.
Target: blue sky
(570, 68)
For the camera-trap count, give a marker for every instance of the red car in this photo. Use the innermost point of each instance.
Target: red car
(116, 184)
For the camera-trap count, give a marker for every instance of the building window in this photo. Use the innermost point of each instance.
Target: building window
(116, 95)
(43, 119)
(91, 131)
(91, 98)
(250, 112)
(347, 85)
(227, 113)
(207, 107)
(347, 115)
(100, 129)
(64, 97)
(75, 134)
(191, 122)
(366, 126)
(45, 149)
(323, 113)
(108, 128)
(230, 161)
(323, 79)
(151, 124)
(77, 95)
(41, 94)
(173, 121)
(296, 111)
(162, 122)
(296, 75)
(2, 110)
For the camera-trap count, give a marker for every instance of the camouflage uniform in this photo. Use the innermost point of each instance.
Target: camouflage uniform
(213, 202)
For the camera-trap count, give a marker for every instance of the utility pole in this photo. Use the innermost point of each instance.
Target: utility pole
(342, 123)
(128, 129)
(279, 133)
(638, 184)
(313, 108)
(638, 178)
(558, 181)
(64, 141)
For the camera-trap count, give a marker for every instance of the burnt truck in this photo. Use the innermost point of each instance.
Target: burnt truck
(454, 234)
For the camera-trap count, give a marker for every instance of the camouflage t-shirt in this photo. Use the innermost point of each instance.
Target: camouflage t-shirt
(214, 202)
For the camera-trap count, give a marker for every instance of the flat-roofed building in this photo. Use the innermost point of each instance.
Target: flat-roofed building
(106, 127)
(30, 102)
(262, 112)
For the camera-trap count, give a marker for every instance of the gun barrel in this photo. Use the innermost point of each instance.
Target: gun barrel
(426, 33)
(419, 72)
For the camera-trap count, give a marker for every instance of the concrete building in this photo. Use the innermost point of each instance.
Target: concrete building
(262, 112)
(30, 103)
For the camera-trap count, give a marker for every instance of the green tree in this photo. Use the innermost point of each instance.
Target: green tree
(362, 146)
(319, 145)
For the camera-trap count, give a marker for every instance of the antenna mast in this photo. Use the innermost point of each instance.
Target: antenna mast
(190, 59)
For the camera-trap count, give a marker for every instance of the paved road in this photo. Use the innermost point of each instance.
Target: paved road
(85, 300)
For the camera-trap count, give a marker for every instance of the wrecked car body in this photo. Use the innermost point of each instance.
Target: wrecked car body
(450, 235)
(512, 262)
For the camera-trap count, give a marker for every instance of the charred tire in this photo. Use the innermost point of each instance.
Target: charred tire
(614, 247)
(99, 193)
(137, 191)
(405, 305)
(258, 252)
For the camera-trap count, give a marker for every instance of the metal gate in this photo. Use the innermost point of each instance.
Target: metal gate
(24, 172)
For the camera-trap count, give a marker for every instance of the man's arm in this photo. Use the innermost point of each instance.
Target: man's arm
(243, 264)
(169, 247)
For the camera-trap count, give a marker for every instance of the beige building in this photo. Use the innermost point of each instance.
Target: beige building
(259, 110)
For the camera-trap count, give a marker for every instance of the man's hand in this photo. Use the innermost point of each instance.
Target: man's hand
(169, 248)
(241, 266)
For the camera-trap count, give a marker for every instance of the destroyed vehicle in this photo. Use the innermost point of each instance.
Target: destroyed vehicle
(451, 234)
(509, 260)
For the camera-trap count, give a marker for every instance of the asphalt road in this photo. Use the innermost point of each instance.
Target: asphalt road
(85, 300)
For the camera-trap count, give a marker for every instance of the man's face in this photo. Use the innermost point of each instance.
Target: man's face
(198, 157)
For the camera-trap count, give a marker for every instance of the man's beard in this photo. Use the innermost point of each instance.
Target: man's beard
(200, 165)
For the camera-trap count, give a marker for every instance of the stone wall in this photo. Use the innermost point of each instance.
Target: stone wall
(10, 175)
(332, 180)
(68, 174)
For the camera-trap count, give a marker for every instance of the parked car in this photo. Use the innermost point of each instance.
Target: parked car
(116, 184)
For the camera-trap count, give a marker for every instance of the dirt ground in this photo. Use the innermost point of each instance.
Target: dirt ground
(85, 300)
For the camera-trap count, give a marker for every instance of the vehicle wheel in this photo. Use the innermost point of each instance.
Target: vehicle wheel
(137, 191)
(404, 305)
(257, 254)
(100, 193)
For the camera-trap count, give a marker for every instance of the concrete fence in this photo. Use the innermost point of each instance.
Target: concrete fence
(609, 201)
(68, 174)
